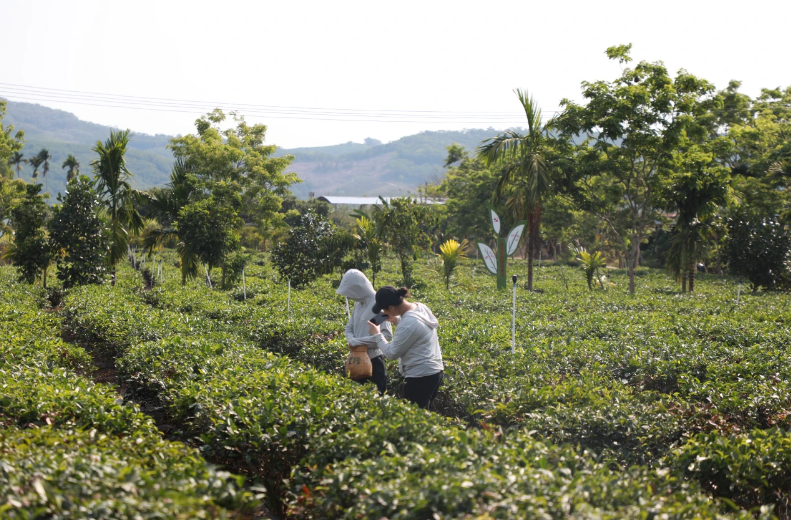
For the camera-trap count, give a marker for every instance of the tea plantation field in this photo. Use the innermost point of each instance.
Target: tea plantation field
(664, 405)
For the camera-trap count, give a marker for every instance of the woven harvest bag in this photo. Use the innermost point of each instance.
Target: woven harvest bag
(358, 364)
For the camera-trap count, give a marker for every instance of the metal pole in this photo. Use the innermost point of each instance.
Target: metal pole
(288, 305)
(244, 287)
(513, 319)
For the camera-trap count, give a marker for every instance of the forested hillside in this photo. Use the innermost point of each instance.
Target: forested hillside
(62, 133)
(369, 168)
(373, 168)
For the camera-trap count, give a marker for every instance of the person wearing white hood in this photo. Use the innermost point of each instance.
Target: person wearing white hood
(355, 286)
(416, 345)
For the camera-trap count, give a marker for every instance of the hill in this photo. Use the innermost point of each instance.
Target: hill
(62, 133)
(373, 168)
(368, 168)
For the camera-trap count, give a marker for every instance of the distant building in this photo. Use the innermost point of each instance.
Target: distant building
(369, 201)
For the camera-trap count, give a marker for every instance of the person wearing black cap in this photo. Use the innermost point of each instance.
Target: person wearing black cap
(415, 344)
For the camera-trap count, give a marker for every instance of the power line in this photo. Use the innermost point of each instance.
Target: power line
(31, 93)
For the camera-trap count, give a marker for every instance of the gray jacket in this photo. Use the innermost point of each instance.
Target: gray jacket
(416, 345)
(355, 286)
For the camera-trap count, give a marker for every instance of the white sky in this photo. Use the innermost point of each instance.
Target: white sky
(428, 55)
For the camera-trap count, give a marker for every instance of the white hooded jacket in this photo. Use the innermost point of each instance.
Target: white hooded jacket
(355, 286)
(416, 345)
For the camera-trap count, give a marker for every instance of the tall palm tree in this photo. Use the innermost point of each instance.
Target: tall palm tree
(17, 160)
(73, 166)
(45, 158)
(117, 194)
(695, 190)
(525, 178)
(35, 162)
(166, 205)
(686, 247)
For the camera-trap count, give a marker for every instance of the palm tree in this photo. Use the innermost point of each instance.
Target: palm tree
(17, 160)
(45, 158)
(113, 184)
(695, 191)
(368, 236)
(687, 246)
(525, 175)
(35, 162)
(73, 167)
(166, 205)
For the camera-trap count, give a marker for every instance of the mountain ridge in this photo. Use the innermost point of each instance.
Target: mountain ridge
(368, 168)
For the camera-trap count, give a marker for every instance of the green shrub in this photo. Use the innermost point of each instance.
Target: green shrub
(51, 473)
(759, 248)
(296, 257)
(751, 469)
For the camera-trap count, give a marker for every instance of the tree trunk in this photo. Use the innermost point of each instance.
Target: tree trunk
(692, 268)
(533, 226)
(112, 281)
(682, 269)
(631, 265)
(530, 263)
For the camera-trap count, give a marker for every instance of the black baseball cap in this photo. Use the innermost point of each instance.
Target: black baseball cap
(388, 296)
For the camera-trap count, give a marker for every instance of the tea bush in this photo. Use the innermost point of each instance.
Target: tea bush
(674, 365)
(70, 449)
(326, 447)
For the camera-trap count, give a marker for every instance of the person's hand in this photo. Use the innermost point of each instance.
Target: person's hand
(373, 329)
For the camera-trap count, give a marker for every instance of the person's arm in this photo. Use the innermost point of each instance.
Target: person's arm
(348, 331)
(386, 331)
(407, 333)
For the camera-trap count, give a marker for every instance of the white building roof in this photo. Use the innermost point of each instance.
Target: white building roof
(373, 201)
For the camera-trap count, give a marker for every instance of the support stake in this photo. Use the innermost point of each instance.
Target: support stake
(513, 318)
(208, 280)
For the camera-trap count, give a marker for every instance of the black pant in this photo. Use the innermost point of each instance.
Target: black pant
(422, 390)
(378, 375)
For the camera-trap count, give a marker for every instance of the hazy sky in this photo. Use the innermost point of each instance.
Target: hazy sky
(397, 62)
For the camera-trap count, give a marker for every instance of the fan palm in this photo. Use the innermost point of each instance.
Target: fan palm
(591, 263)
(17, 160)
(450, 252)
(73, 166)
(117, 194)
(525, 178)
(45, 158)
